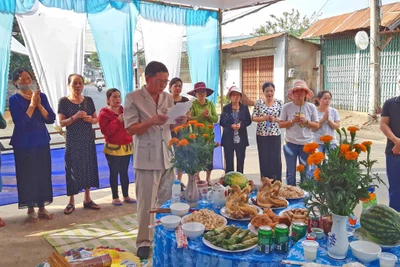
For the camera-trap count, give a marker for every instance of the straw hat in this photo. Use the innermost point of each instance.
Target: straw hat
(300, 85)
(200, 86)
(234, 89)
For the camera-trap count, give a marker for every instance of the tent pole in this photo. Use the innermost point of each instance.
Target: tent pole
(221, 75)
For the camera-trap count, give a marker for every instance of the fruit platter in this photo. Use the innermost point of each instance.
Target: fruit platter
(230, 239)
(268, 195)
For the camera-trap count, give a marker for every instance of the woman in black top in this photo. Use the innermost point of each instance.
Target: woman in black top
(175, 88)
(235, 118)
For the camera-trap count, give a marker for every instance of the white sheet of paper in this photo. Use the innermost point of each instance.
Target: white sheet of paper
(180, 109)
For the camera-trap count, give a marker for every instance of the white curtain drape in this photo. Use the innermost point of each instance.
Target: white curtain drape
(163, 43)
(54, 39)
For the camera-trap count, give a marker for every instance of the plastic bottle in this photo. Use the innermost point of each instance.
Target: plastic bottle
(372, 198)
(176, 192)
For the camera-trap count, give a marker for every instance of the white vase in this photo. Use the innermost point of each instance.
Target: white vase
(338, 241)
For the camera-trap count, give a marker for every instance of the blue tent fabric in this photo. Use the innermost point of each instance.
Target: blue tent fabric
(113, 34)
(9, 195)
(6, 23)
(203, 43)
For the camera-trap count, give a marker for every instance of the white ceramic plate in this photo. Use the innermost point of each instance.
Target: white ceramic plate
(225, 221)
(360, 236)
(297, 198)
(276, 208)
(247, 218)
(252, 229)
(208, 244)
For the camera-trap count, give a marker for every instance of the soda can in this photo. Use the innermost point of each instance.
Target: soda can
(281, 238)
(265, 239)
(311, 236)
(299, 230)
(314, 221)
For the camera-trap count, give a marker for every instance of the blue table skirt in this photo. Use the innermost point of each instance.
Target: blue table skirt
(296, 254)
(166, 253)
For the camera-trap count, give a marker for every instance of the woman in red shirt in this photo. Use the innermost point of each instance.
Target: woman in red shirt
(118, 146)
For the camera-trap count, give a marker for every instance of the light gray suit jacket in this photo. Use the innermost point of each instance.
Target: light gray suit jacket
(151, 148)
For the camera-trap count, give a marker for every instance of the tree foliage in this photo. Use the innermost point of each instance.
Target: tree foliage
(17, 60)
(94, 60)
(289, 22)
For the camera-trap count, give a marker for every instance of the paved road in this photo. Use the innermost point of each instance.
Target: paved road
(99, 98)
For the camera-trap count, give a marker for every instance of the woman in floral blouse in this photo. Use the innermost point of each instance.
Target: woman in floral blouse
(266, 113)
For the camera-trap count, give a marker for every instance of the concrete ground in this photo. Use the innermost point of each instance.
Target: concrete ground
(21, 242)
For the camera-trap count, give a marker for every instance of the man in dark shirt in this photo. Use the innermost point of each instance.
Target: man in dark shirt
(390, 126)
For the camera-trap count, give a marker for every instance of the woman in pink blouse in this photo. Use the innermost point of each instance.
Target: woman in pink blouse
(266, 113)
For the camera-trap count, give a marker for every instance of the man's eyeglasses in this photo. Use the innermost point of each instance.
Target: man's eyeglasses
(162, 82)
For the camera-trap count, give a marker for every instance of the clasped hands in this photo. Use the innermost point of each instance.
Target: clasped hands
(82, 115)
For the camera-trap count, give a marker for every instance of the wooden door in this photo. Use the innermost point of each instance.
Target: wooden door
(255, 72)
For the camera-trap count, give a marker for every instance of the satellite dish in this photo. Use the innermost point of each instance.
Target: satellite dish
(362, 40)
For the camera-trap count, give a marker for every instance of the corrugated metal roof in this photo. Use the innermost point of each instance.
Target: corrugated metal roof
(352, 21)
(250, 42)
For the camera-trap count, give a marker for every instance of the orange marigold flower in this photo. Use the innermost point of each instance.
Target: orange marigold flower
(316, 174)
(360, 147)
(173, 141)
(183, 142)
(300, 168)
(367, 143)
(310, 147)
(326, 138)
(199, 125)
(177, 129)
(352, 129)
(206, 135)
(192, 136)
(192, 122)
(186, 125)
(210, 126)
(344, 148)
(318, 157)
(351, 155)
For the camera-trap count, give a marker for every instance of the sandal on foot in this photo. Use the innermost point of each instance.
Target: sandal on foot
(45, 215)
(2, 223)
(130, 201)
(91, 205)
(117, 203)
(69, 208)
(33, 217)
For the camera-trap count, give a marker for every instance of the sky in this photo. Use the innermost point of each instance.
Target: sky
(328, 8)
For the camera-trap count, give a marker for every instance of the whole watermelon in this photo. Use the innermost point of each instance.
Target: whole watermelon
(236, 178)
(381, 223)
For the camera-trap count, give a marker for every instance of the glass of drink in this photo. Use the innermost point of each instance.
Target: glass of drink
(387, 259)
(310, 250)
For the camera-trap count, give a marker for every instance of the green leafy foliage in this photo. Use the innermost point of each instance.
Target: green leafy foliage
(341, 180)
(194, 149)
(290, 22)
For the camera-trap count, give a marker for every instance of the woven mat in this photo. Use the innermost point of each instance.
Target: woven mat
(114, 233)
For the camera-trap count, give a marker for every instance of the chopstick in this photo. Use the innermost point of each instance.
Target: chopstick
(166, 210)
(299, 263)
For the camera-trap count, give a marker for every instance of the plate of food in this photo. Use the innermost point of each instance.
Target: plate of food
(268, 195)
(210, 219)
(230, 239)
(237, 205)
(291, 192)
(268, 218)
(246, 215)
(295, 215)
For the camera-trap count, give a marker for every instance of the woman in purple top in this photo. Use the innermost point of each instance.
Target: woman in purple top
(31, 112)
